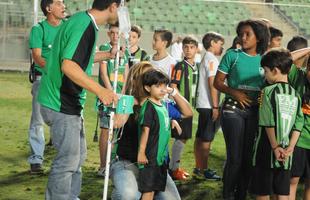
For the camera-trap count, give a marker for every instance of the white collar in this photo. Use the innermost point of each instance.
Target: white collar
(93, 19)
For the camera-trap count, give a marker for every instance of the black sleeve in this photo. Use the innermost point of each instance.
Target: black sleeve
(149, 115)
(176, 74)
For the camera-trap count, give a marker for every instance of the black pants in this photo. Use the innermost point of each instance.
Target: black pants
(239, 128)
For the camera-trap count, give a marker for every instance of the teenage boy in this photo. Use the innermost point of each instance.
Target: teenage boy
(161, 59)
(276, 36)
(62, 94)
(137, 53)
(207, 105)
(184, 78)
(106, 78)
(280, 123)
(40, 42)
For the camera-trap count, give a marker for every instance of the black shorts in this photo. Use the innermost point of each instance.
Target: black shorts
(206, 127)
(301, 163)
(186, 124)
(267, 181)
(152, 178)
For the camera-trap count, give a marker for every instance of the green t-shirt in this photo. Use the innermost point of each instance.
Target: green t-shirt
(243, 71)
(42, 36)
(156, 118)
(111, 68)
(297, 79)
(75, 41)
(280, 108)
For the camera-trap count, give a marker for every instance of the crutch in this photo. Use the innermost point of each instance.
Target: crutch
(124, 28)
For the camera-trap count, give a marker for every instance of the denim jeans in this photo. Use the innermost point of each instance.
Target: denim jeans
(239, 128)
(124, 176)
(36, 130)
(65, 178)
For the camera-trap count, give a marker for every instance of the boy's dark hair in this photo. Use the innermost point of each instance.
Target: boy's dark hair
(113, 25)
(165, 35)
(209, 37)
(297, 42)
(236, 41)
(278, 58)
(190, 40)
(261, 32)
(274, 32)
(154, 77)
(104, 4)
(44, 4)
(137, 29)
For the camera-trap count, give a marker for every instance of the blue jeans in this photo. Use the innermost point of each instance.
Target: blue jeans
(239, 128)
(65, 179)
(124, 176)
(36, 130)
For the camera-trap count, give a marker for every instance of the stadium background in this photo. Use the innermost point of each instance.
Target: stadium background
(180, 16)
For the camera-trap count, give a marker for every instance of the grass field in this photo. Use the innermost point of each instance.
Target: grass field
(16, 183)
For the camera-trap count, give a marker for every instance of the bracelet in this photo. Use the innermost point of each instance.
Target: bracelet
(173, 93)
(215, 107)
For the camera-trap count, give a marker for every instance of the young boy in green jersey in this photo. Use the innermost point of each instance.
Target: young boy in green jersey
(280, 123)
(276, 36)
(184, 78)
(41, 39)
(154, 135)
(297, 78)
(106, 79)
(137, 54)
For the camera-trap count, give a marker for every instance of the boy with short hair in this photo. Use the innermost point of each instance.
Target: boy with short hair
(137, 53)
(207, 105)
(162, 60)
(280, 123)
(154, 135)
(275, 37)
(106, 78)
(184, 77)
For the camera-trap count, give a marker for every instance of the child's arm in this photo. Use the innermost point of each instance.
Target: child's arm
(213, 92)
(142, 159)
(293, 141)
(176, 125)
(125, 75)
(278, 151)
(184, 106)
(300, 53)
(104, 75)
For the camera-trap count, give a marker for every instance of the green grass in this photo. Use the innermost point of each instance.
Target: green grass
(17, 184)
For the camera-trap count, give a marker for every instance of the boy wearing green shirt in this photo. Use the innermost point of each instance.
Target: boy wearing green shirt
(280, 123)
(41, 42)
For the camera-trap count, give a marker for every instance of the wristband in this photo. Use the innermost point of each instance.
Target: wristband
(215, 107)
(173, 93)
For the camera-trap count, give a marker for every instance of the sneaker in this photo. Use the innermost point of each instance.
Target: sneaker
(211, 175)
(179, 174)
(36, 168)
(101, 172)
(198, 174)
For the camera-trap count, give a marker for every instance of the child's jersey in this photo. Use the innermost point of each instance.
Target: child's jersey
(185, 76)
(111, 68)
(165, 65)
(297, 79)
(207, 69)
(138, 56)
(156, 118)
(244, 71)
(280, 109)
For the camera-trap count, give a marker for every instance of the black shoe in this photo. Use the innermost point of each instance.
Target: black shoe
(36, 168)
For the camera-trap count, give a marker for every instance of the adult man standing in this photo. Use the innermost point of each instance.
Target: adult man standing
(62, 94)
(40, 42)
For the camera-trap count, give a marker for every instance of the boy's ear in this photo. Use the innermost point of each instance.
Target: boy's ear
(165, 42)
(113, 7)
(147, 88)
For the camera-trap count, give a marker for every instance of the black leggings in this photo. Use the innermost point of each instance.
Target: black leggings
(239, 128)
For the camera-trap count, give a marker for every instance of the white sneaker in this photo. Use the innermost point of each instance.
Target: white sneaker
(101, 172)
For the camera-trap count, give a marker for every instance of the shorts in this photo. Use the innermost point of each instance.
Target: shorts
(104, 118)
(186, 124)
(267, 181)
(301, 163)
(206, 127)
(152, 178)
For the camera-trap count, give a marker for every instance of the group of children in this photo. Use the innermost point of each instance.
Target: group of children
(281, 114)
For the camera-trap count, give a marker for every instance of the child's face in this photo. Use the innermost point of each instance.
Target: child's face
(189, 50)
(133, 38)
(113, 35)
(158, 43)
(270, 75)
(218, 47)
(248, 38)
(276, 42)
(157, 91)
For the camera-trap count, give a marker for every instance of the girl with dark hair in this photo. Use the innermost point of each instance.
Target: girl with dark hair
(245, 77)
